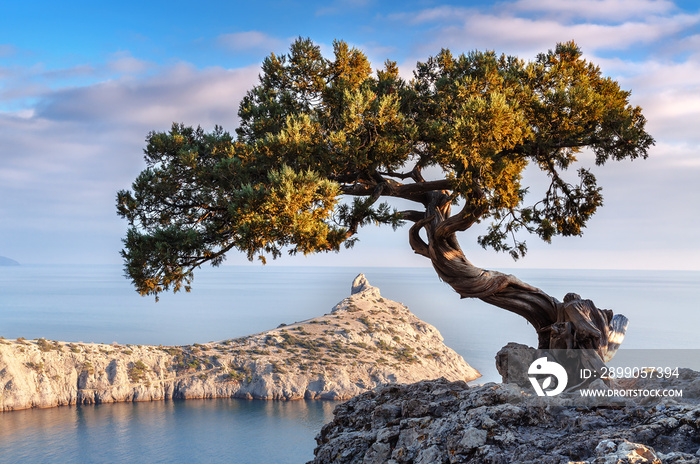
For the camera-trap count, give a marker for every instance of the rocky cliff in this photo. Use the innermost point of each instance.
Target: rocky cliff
(438, 422)
(365, 341)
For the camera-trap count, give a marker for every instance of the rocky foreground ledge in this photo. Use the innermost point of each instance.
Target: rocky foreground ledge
(438, 422)
(365, 341)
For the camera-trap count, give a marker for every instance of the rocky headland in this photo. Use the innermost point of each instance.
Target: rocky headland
(364, 342)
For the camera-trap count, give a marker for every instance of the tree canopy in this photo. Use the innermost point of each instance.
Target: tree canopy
(323, 142)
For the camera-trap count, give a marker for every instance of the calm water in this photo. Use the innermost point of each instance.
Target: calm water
(193, 431)
(96, 304)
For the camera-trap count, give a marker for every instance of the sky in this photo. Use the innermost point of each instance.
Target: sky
(82, 84)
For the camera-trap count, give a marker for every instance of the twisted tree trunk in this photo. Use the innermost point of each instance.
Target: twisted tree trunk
(572, 324)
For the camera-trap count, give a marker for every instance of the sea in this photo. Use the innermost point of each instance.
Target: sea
(98, 304)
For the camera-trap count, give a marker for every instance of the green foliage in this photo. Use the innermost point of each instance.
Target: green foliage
(88, 367)
(45, 346)
(38, 367)
(172, 351)
(182, 360)
(384, 346)
(488, 117)
(322, 140)
(200, 197)
(239, 374)
(405, 354)
(277, 368)
(137, 371)
(74, 348)
(235, 376)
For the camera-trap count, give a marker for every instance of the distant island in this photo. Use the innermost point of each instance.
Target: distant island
(4, 261)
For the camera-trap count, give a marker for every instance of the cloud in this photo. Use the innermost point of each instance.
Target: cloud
(667, 91)
(250, 41)
(342, 6)
(466, 29)
(124, 63)
(7, 50)
(178, 93)
(23, 87)
(604, 10)
(690, 45)
(668, 157)
(70, 126)
(64, 158)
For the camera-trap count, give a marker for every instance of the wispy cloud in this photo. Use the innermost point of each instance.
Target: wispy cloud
(669, 92)
(23, 87)
(123, 62)
(178, 93)
(602, 10)
(487, 31)
(7, 50)
(340, 6)
(507, 29)
(250, 41)
(64, 158)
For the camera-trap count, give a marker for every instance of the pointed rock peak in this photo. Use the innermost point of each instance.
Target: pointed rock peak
(360, 284)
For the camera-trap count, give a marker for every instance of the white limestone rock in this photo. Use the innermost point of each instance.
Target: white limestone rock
(365, 341)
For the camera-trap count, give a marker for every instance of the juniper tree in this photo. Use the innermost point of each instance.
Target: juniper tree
(323, 143)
